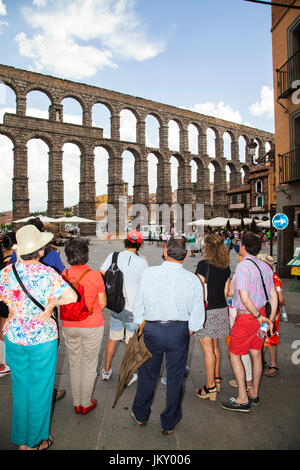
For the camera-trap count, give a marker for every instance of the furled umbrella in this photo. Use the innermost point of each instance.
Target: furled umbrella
(135, 356)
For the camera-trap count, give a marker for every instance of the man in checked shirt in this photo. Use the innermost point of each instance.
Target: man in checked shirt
(249, 300)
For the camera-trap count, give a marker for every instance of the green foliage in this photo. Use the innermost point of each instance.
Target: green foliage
(253, 226)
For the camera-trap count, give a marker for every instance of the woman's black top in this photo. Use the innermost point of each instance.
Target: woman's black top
(215, 284)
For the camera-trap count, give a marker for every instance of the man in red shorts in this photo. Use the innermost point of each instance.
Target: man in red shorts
(249, 300)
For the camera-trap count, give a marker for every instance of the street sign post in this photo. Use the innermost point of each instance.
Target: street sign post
(280, 221)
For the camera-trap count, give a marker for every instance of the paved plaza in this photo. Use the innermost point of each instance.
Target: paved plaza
(274, 424)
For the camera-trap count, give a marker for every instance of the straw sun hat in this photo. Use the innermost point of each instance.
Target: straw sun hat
(30, 239)
(267, 259)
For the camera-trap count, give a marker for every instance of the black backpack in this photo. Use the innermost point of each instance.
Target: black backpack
(113, 279)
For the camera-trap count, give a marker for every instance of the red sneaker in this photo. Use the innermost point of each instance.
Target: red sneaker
(86, 409)
(78, 409)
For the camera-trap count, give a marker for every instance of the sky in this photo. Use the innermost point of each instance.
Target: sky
(210, 56)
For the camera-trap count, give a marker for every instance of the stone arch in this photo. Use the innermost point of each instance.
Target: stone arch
(134, 171)
(174, 172)
(9, 135)
(173, 135)
(74, 103)
(228, 139)
(128, 125)
(193, 138)
(212, 141)
(39, 135)
(33, 99)
(72, 153)
(11, 84)
(38, 152)
(234, 176)
(152, 171)
(7, 144)
(40, 89)
(203, 184)
(101, 117)
(219, 191)
(246, 171)
(260, 150)
(243, 141)
(194, 171)
(101, 157)
(8, 99)
(152, 125)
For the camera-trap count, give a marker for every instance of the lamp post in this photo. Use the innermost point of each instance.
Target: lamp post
(251, 150)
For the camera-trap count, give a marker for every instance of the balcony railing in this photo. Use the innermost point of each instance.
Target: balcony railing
(287, 75)
(289, 167)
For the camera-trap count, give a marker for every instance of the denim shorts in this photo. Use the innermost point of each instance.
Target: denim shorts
(124, 319)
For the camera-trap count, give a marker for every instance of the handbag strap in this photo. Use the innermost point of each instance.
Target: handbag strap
(267, 298)
(141, 328)
(68, 279)
(115, 258)
(25, 290)
(207, 272)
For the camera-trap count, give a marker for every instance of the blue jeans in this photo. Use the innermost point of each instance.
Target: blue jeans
(171, 340)
(32, 375)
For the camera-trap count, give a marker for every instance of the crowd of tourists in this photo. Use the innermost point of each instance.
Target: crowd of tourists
(171, 302)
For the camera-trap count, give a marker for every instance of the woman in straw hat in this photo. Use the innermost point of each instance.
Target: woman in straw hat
(271, 343)
(31, 337)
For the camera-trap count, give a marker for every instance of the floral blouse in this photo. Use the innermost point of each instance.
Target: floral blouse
(44, 284)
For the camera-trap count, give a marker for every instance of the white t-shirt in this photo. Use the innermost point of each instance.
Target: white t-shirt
(132, 267)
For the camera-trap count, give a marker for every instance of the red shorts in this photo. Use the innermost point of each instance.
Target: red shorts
(244, 335)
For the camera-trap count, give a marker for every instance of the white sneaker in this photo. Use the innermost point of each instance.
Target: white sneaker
(106, 375)
(4, 370)
(132, 380)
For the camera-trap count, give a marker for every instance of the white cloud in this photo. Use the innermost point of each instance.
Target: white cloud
(63, 58)
(78, 37)
(2, 23)
(39, 3)
(265, 105)
(2, 13)
(219, 110)
(2, 8)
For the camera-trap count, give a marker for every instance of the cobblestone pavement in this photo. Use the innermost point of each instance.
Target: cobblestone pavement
(275, 424)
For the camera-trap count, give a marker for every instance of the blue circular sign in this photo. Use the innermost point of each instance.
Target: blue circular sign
(280, 221)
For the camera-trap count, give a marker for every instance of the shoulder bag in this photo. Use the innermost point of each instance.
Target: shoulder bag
(268, 308)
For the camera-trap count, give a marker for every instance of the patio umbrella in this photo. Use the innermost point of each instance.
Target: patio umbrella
(74, 220)
(234, 221)
(43, 218)
(263, 224)
(135, 356)
(199, 222)
(217, 222)
(247, 221)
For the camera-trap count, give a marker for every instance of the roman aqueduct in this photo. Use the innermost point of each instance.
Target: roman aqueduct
(20, 128)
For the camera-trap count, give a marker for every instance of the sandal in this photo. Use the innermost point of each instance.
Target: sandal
(218, 383)
(268, 372)
(49, 444)
(210, 393)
